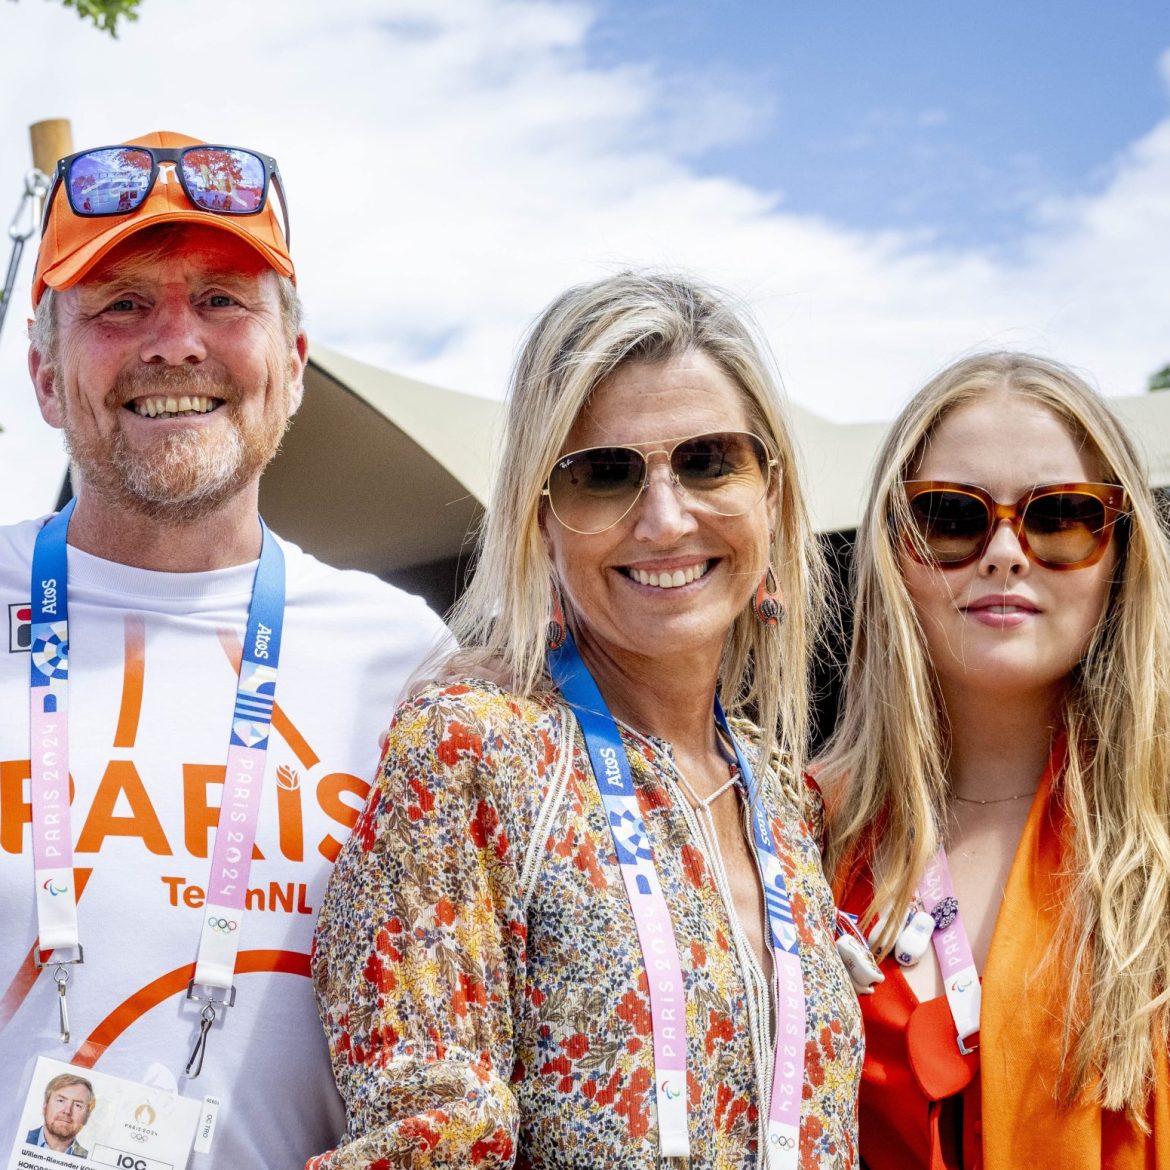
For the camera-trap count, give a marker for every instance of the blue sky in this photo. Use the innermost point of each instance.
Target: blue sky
(932, 116)
(885, 186)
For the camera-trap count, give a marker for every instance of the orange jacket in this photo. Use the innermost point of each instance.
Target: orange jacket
(1010, 1119)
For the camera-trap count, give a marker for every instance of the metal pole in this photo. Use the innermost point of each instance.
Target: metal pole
(51, 139)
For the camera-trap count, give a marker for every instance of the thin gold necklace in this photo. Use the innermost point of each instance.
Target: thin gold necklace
(996, 799)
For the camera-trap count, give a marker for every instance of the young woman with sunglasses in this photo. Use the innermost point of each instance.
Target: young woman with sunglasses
(548, 942)
(999, 789)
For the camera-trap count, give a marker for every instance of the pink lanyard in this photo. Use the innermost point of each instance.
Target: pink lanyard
(953, 948)
(635, 856)
(52, 833)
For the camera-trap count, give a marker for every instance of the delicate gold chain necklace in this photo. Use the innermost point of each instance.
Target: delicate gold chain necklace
(996, 799)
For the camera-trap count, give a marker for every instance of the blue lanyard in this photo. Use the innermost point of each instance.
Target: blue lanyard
(781, 924)
(56, 901)
(611, 771)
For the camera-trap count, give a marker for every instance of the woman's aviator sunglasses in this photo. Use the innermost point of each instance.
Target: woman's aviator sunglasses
(115, 180)
(1058, 525)
(726, 472)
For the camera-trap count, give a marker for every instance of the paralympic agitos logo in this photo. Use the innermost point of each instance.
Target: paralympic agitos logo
(19, 627)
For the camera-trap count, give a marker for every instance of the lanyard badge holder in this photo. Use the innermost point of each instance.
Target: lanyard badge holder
(953, 948)
(52, 838)
(788, 978)
(239, 811)
(934, 919)
(52, 835)
(611, 771)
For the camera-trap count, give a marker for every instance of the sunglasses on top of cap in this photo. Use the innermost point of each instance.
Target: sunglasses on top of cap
(116, 180)
(1059, 526)
(725, 472)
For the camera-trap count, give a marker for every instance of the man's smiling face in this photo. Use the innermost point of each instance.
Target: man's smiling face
(175, 375)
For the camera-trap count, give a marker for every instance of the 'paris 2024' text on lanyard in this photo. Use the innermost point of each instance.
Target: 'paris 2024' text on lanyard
(635, 857)
(231, 860)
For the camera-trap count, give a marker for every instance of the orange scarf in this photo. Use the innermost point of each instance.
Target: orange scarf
(1020, 1033)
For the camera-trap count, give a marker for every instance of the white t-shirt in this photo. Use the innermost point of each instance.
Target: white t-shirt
(151, 691)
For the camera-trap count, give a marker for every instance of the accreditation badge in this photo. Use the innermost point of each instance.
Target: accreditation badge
(80, 1117)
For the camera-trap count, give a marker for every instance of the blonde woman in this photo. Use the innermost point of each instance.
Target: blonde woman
(1002, 775)
(582, 921)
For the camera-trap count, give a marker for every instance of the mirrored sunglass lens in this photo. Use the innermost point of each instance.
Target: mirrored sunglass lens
(590, 490)
(103, 182)
(728, 471)
(1064, 527)
(229, 181)
(952, 524)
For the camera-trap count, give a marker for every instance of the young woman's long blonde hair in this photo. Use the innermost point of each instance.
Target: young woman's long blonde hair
(577, 342)
(886, 768)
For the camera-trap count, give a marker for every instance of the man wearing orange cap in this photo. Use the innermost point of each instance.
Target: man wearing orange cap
(204, 698)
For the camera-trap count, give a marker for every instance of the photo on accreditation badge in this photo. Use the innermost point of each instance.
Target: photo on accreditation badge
(77, 1117)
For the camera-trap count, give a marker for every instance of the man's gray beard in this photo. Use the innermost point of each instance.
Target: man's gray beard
(189, 477)
(185, 481)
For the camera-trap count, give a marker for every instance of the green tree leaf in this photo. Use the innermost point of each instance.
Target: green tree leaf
(1160, 380)
(105, 14)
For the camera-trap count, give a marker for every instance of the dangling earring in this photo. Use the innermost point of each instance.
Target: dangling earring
(557, 626)
(768, 605)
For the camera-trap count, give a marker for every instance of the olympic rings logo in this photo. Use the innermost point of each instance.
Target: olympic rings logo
(223, 925)
(784, 1141)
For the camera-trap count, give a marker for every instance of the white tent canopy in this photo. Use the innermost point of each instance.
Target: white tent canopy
(380, 472)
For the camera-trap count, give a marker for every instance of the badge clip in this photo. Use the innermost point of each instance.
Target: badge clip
(40, 963)
(61, 978)
(856, 955)
(206, 1018)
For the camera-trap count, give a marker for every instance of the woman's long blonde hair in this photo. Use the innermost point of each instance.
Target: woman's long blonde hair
(577, 342)
(886, 768)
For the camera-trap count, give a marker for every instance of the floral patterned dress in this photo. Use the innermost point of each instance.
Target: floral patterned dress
(478, 969)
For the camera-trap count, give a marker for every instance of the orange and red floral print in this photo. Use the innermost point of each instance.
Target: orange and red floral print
(479, 974)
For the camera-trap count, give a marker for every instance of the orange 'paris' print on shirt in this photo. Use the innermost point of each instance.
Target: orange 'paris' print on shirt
(121, 806)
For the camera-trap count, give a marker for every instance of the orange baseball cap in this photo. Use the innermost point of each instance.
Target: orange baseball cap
(73, 244)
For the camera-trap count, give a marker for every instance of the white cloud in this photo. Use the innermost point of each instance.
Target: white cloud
(452, 166)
